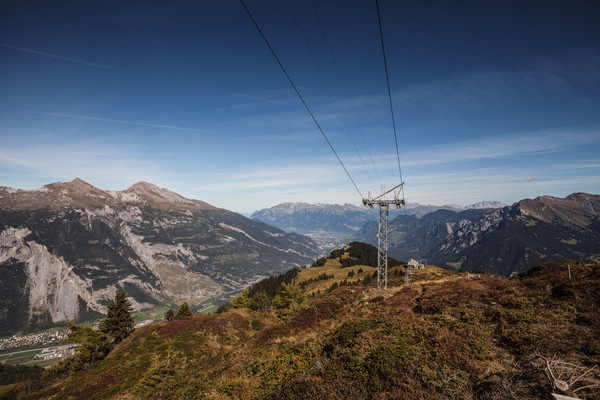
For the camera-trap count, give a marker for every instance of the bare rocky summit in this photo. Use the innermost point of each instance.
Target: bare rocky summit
(579, 210)
(79, 193)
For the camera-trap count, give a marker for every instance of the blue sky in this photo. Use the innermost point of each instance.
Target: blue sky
(492, 100)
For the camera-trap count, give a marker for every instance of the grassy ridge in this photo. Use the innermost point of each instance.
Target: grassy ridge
(445, 336)
(331, 268)
(156, 314)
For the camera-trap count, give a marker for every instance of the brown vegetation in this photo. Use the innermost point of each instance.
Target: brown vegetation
(449, 338)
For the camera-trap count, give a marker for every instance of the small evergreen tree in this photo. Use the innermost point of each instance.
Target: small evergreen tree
(118, 323)
(95, 345)
(260, 302)
(333, 286)
(170, 315)
(288, 301)
(241, 301)
(224, 307)
(184, 311)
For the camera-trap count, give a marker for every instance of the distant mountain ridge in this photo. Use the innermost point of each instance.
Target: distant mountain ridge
(66, 248)
(345, 218)
(79, 193)
(305, 218)
(485, 204)
(500, 241)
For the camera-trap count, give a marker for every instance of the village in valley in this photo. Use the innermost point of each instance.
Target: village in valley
(44, 348)
(43, 339)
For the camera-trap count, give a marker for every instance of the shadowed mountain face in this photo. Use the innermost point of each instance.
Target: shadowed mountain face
(311, 219)
(500, 241)
(67, 248)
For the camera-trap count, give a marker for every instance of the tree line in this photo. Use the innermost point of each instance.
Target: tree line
(95, 344)
(358, 253)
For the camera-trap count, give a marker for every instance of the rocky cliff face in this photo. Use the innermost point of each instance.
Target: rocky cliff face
(67, 248)
(500, 241)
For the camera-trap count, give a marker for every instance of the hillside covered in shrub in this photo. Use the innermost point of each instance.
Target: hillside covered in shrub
(444, 336)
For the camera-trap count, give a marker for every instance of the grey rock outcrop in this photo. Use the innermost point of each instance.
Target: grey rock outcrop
(67, 248)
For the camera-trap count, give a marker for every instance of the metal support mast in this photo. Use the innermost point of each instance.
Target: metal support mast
(382, 234)
(382, 246)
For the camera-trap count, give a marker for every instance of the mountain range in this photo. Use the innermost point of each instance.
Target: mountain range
(67, 248)
(313, 219)
(488, 236)
(500, 241)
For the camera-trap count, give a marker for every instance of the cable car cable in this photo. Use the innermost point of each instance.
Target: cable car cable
(387, 78)
(300, 96)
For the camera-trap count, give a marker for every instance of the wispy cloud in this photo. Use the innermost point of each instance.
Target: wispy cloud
(507, 184)
(92, 118)
(274, 182)
(276, 174)
(252, 96)
(577, 70)
(580, 164)
(102, 164)
(497, 147)
(494, 148)
(278, 97)
(293, 137)
(247, 187)
(63, 58)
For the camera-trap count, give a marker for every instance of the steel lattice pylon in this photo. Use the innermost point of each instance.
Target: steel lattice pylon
(382, 246)
(382, 234)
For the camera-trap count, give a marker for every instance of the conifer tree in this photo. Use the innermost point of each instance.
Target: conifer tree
(224, 307)
(95, 345)
(170, 315)
(118, 323)
(288, 301)
(241, 301)
(184, 311)
(260, 302)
